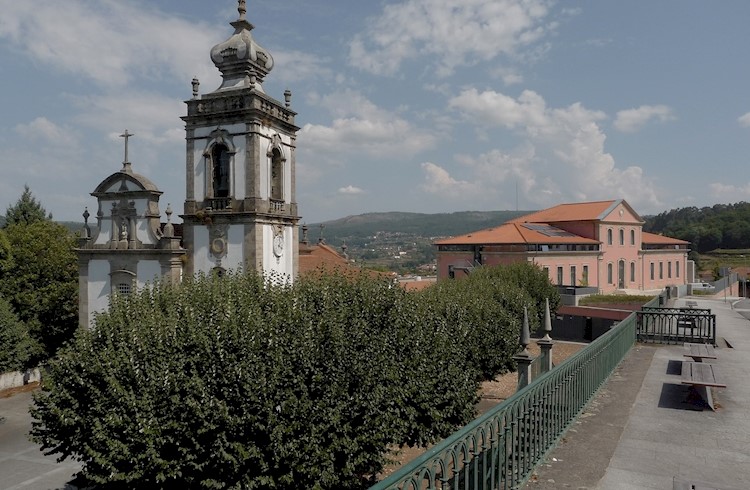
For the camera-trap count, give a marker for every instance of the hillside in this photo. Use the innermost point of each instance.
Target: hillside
(721, 226)
(419, 224)
(401, 242)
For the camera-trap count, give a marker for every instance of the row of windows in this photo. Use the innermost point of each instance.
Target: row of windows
(575, 280)
(622, 236)
(652, 270)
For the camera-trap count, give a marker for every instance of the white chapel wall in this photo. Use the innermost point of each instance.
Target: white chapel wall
(148, 271)
(99, 286)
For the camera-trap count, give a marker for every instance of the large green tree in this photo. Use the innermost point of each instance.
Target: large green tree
(26, 210)
(42, 283)
(16, 346)
(234, 383)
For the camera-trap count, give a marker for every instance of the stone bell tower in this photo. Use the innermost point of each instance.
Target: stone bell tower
(240, 208)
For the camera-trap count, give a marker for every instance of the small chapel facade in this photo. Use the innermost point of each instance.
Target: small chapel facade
(240, 210)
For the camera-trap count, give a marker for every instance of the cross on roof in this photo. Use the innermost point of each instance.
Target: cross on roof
(126, 135)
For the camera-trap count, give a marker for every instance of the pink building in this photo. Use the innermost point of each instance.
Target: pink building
(595, 244)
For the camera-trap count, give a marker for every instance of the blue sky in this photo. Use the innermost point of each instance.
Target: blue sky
(410, 105)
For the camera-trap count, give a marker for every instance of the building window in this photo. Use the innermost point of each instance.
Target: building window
(609, 274)
(277, 175)
(669, 270)
(632, 272)
(573, 278)
(123, 288)
(609, 236)
(677, 268)
(632, 237)
(585, 276)
(622, 236)
(560, 276)
(220, 158)
(652, 271)
(546, 271)
(661, 270)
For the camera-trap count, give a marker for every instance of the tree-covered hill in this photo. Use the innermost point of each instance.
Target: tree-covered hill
(425, 225)
(721, 226)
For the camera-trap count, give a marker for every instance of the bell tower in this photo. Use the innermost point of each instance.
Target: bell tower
(240, 208)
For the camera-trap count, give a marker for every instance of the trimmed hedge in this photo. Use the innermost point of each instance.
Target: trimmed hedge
(236, 382)
(229, 382)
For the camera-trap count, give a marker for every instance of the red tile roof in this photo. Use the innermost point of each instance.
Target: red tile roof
(515, 233)
(653, 239)
(581, 211)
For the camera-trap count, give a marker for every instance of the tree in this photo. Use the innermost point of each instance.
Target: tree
(26, 210)
(16, 346)
(42, 284)
(235, 383)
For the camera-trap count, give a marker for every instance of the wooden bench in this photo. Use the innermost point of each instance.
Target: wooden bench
(702, 376)
(699, 351)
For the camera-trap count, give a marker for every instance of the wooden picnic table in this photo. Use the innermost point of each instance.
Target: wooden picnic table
(702, 376)
(699, 351)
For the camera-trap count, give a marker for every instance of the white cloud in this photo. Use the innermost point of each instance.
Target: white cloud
(562, 157)
(152, 117)
(454, 32)
(730, 192)
(43, 128)
(351, 190)
(109, 42)
(744, 120)
(359, 126)
(439, 181)
(631, 120)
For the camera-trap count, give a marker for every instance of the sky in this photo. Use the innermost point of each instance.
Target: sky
(423, 106)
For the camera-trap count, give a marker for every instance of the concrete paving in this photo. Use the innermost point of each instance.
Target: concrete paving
(658, 433)
(23, 466)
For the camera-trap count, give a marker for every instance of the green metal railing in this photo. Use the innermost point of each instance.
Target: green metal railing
(500, 449)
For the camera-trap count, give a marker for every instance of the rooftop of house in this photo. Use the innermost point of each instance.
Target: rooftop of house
(520, 233)
(580, 211)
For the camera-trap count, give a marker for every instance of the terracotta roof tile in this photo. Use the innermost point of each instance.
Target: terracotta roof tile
(515, 233)
(654, 239)
(583, 211)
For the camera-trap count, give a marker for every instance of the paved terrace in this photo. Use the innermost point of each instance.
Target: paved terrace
(643, 429)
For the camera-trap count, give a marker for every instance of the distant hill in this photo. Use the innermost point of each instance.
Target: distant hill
(419, 224)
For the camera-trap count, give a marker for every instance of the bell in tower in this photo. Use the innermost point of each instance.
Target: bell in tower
(240, 208)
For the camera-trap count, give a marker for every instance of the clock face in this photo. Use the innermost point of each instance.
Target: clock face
(278, 245)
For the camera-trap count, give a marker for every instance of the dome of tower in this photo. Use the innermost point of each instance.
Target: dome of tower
(243, 63)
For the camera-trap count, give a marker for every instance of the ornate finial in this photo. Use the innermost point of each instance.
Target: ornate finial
(287, 97)
(196, 86)
(343, 249)
(168, 230)
(126, 162)
(86, 232)
(242, 9)
(547, 320)
(525, 336)
(321, 239)
(304, 234)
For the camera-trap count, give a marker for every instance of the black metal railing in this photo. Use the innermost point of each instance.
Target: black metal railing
(676, 325)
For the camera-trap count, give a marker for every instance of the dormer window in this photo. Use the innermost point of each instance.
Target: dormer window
(220, 158)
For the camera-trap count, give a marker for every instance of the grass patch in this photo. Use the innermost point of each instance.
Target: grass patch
(601, 299)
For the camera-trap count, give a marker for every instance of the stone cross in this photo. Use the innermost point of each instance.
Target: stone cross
(126, 135)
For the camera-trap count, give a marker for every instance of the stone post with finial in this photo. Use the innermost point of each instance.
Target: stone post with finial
(524, 358)
(545, 343)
